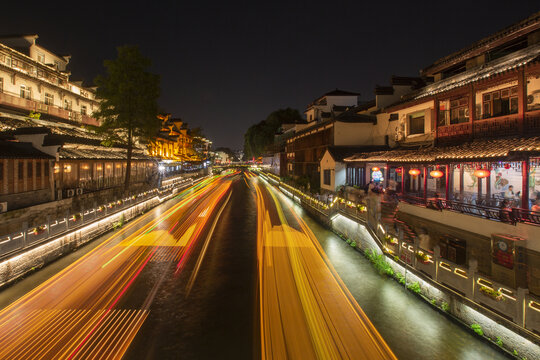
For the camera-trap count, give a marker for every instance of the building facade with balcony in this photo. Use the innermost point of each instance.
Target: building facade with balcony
(466, 161)
(35, 80)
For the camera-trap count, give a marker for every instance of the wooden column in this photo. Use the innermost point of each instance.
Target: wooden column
(525, 184)
(435, 124)
(472, 111)
(447, 178)
(522, 100)
(425, 182)
(402, 180)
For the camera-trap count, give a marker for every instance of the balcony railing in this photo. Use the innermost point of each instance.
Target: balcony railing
(499, 126)
(15, 101)
(453, 132)
(510, 216)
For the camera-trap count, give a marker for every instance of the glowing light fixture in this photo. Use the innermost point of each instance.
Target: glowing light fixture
(375, 168)
(436, 174)
(414, 172)
(481, 173)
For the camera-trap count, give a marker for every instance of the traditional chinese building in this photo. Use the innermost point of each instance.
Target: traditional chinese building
(34, 80)
(173, 142)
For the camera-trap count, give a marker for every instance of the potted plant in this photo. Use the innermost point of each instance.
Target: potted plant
(422, 257)
(39, 230)
(492, 293)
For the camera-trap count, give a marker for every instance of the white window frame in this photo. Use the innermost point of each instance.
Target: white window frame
(26, 92)
(49, 99)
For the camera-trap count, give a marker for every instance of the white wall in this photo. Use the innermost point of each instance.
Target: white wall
(338, 172)
(355, 134)
(327, 163)
(403, 123)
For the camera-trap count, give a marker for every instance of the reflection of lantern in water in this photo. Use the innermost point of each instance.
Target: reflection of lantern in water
(414, 172)
(481, 173)
(436, 174)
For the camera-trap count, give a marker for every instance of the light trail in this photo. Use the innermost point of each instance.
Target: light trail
(77, 314)
(305, 310)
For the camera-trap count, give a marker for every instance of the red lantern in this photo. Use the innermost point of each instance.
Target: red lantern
(481, 173)
(398, 170)
(507, 166)
(414, 172)
(375, 168)
(436, 174)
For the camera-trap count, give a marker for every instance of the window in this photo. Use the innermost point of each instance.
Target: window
(49, 99)
(41, 58)
(1, 85)
(25, 92)
(83, 109)
(68, 104)
(46, 168)
(38, 168)
(56, 64)
(30, 167)
(499, 103)
(327, 180)
(459, 111)
(416, 124)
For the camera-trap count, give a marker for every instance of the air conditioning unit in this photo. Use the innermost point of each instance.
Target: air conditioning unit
(70, 192)
(3, 207)
(79, 191)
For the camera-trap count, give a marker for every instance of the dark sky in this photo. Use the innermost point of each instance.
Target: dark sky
(227, 64)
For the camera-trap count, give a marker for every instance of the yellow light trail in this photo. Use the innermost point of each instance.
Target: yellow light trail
(77, 313)
(305, 310)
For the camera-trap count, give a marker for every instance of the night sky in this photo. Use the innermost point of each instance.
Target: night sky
(227, 64)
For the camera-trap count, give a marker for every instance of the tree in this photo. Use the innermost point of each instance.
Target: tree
(259, 136)
(128, 107)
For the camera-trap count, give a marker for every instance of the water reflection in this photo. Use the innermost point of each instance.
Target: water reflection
(412, 328)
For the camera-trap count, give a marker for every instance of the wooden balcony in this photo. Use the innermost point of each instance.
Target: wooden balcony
(456, 132)
(498, 126)
(532, 122)
(16, 102)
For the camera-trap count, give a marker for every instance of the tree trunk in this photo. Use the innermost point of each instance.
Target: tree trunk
(128, 164)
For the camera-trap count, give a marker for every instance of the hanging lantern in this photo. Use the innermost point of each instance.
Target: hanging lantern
(375, 168)
(398, 170)
(481, 173)
(507, 166)
(436, 174)
(414, 172)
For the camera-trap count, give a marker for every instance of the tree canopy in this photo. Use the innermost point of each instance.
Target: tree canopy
(259, 136)
(128, 109)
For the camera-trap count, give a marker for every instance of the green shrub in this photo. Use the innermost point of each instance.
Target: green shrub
(396, 258)
(477, 329)
(379, 262)
(348, 241)
(353, 244)
(515, 352)
(445, 306)
(434, 302)
(499, 341)
(414, 287)
(400, 278)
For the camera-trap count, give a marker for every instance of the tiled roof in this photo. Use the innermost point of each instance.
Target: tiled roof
(501, 65)
(478, 150)
(79, 152)
(531, 23)
(21, 150)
